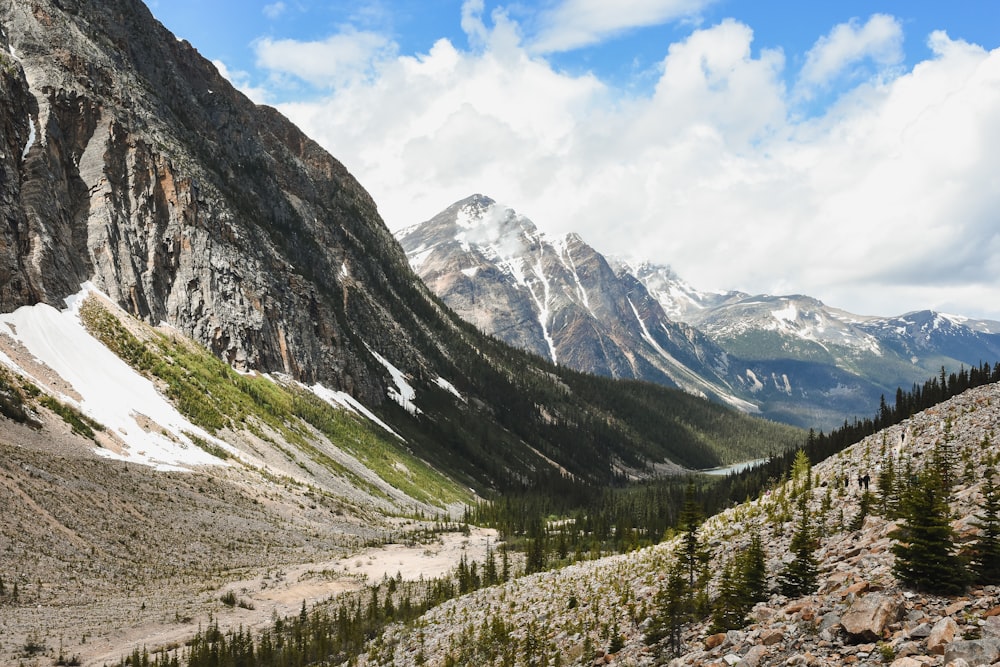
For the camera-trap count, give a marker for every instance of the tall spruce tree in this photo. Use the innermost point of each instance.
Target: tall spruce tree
(743, 584)
(672, 611)
(693, 555)
(985, 553)
(926, 558)
(799, 577)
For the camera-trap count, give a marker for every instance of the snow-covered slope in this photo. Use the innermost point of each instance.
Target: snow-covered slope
(53, 350)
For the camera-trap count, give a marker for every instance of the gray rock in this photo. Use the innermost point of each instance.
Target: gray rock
(829, 620)
(991, 627)
(975, 651)
(868, 617)
(753, 657)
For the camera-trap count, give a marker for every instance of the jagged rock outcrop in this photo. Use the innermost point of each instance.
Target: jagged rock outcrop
(559, 299)
(130, 162)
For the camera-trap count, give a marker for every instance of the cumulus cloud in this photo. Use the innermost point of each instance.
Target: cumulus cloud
(345, 58)
(572, 24)
(879, 40)
(884, 203)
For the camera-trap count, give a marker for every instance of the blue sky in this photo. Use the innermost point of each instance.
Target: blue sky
(845, 150)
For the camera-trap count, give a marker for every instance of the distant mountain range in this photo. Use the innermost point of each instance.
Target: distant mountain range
(789, 358)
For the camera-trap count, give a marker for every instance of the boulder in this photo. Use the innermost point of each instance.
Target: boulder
(868, 617)
(753, 657)
(771, 637)
(974, 651)
(712, 641)
(942, 633)
(991, 627)
(906, 661)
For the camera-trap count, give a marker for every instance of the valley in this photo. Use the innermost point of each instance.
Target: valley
(240, 424)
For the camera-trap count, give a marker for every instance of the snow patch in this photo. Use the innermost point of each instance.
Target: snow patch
(403, 393)
(755, 384)
(471, 271)
(543, 307)
(789, 314)
(449, 387)
(111, 392)
(418, 258)
(340, 399)
(31, 138)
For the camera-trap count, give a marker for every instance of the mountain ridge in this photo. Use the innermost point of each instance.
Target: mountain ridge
(791, 358)
(133, 164)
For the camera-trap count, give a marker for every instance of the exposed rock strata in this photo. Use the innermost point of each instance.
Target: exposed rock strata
(130, 162)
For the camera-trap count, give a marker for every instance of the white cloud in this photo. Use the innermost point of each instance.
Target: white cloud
(885, 203)
(345, 58)
(879, 40)
(573, 24)
(274, 10)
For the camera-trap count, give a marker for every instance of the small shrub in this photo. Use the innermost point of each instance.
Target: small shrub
(80, 423)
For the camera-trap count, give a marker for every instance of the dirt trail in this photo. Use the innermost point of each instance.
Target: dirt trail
(281, 591)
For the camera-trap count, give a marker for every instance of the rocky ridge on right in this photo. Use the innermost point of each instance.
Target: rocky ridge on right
(859, 613)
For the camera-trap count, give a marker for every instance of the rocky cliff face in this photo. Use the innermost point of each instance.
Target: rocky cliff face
(559, 299)
(128, 161)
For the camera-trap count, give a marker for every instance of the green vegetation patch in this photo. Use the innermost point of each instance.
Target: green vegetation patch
(213, 396)
(12, 397)
(79, 422)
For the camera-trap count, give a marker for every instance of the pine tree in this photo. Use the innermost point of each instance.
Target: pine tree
(693, 555)
(754, 572)
(925, 547)
(864, 506)
(727, 609)
(986, 551)
(672, 611)
(743, 584)
(887, 488)
(801, 476)
(799, 577)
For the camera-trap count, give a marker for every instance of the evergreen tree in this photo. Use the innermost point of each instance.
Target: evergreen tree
(693, 556)
(887, 488)
(864, 506)
(743, 584)
(925, 547)
(754, 572)
(490, 567)
(727, 610)
(672, 611)
(799, 577)
(986, 551)
(801, 475)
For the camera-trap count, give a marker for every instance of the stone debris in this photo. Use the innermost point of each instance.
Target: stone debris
(858, 616)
